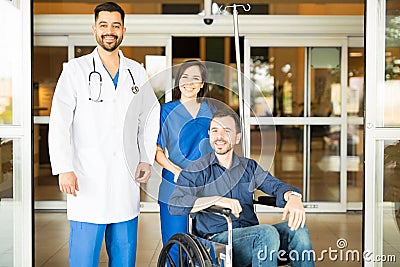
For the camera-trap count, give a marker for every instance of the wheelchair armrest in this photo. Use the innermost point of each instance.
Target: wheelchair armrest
(266, 200)
(219, 210)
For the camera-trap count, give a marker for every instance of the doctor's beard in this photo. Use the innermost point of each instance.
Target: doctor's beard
(109, 47)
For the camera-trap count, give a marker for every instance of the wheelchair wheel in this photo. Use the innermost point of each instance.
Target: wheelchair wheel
(190, 252)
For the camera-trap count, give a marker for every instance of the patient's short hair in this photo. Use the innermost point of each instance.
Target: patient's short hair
(228, 112)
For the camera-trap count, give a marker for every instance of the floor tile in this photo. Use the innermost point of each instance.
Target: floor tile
(52, 233)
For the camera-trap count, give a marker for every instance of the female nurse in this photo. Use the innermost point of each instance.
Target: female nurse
(184, 125)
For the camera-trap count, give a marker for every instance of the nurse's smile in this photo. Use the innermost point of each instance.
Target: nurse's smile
(189, 89)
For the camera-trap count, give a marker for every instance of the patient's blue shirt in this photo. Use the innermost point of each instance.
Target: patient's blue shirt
(206, 177)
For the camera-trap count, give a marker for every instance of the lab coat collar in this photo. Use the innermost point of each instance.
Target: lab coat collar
(98, 61)
(123, 72)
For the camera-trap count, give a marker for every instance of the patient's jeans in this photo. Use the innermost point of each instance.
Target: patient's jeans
(261, 245)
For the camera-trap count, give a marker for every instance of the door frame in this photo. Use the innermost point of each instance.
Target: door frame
(375, 131)
(19, 207)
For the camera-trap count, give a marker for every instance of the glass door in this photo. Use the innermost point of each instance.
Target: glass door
(355, 122)
(298, 90)
(15, 137)
(382, 191)
(49, 53)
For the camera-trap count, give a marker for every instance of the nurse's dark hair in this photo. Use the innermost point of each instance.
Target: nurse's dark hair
(228, 112)
(203, 93)
(109, 7)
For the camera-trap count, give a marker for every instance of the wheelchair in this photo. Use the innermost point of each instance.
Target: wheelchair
(194, 251)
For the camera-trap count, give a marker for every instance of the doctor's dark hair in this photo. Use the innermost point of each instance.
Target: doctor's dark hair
(228, 112)
(109, 7)
(203, 93)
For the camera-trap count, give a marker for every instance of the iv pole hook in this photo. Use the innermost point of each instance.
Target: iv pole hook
(246, 7)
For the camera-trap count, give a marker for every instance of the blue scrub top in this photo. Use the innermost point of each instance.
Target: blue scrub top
(186, 139)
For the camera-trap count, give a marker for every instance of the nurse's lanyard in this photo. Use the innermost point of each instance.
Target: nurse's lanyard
(94, 73)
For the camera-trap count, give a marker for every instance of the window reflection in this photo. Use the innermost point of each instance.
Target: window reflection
(392, 86)
(278, 76)
(325, 163)
(262, 147)
(5, 101)
(391, 193)
(47, 67)
(355, 93)
(9, 204)
(10, 62)
(261, 73)
(355, 167)
(391, 115)
(355, 108)
(6, 168)
(288, 161)
(325, 82)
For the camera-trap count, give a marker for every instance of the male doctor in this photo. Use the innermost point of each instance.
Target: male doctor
(86, 143)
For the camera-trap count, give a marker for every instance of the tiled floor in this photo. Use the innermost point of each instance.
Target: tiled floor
(52, 230)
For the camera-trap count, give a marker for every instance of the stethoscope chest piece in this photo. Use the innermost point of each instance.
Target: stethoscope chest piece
(135, 89)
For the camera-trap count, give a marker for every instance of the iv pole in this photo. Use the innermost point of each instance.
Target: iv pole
(239, 73)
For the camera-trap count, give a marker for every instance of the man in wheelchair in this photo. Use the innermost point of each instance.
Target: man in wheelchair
(227, 180)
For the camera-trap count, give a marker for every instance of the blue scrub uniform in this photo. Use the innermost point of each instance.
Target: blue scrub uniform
(186, 139)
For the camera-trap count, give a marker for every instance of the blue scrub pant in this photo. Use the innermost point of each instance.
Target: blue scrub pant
(171, 225)
(86, 240)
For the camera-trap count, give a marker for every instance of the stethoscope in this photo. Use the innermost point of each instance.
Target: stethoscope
(134, 88)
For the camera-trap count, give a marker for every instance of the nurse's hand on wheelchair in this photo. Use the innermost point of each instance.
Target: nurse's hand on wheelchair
(68, 183)
(297, 215)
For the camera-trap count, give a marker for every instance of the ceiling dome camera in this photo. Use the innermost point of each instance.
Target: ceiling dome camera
(208, 21)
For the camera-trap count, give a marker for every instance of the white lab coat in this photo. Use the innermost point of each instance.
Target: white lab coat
(88, 138)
